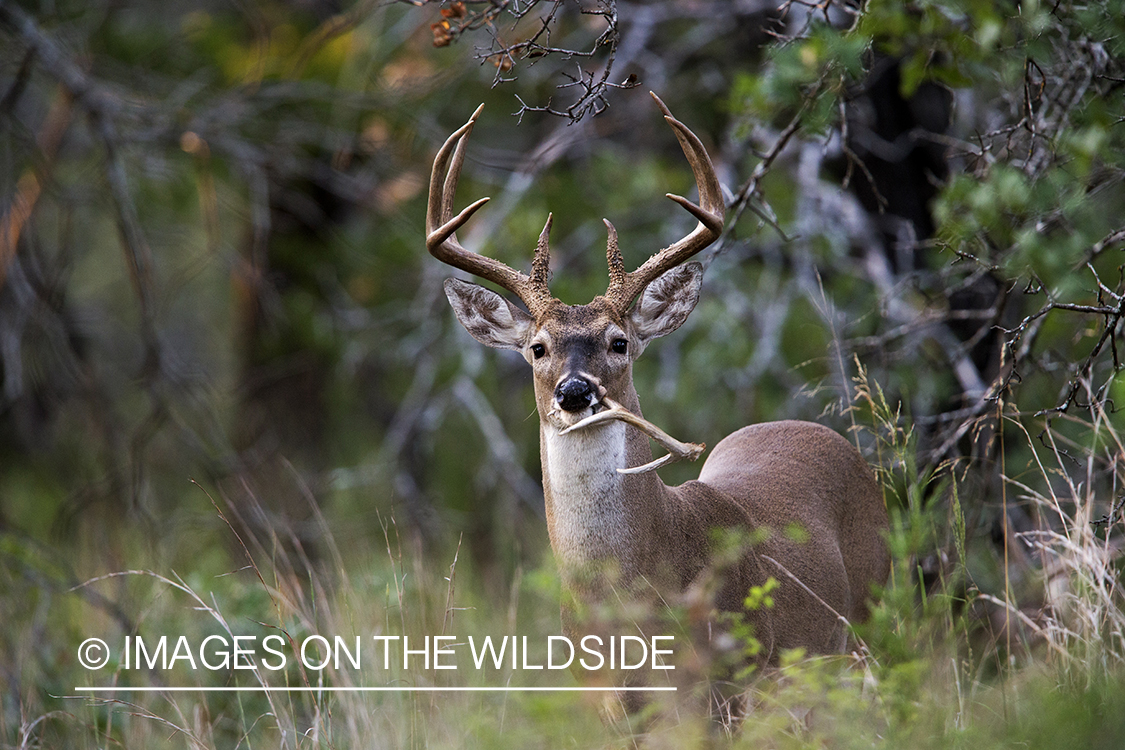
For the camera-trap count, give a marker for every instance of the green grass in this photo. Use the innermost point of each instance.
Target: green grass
(1019, 643)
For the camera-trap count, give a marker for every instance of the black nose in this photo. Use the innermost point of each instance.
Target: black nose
(573, 394)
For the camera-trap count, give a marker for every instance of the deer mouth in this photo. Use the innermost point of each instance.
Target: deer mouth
(566, 418)
(576, 397)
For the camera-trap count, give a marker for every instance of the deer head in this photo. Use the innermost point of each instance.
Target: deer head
(581, 355)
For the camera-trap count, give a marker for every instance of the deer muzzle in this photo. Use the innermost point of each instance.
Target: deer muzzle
(576, 393)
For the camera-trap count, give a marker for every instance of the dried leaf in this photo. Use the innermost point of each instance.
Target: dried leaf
(442, 36)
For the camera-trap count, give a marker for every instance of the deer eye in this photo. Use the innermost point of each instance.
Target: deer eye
(619, 346)
(538, 350)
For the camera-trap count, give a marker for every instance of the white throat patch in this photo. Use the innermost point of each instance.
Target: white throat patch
(586, 491)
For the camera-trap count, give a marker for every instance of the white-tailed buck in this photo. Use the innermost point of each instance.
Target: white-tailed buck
(801, 494)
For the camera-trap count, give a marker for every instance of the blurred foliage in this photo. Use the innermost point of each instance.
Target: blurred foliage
(212, 267)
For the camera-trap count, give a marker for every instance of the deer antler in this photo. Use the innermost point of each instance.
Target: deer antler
(441, 225)
(677, 451)
(624, 287)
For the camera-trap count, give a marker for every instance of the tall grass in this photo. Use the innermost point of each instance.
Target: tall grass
(975, 643)
(1078, 507)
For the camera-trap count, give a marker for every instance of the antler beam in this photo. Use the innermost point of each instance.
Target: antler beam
(624, 287)
(441, 226)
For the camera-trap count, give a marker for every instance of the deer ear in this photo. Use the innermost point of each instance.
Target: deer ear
(666, 302)
(488, 317)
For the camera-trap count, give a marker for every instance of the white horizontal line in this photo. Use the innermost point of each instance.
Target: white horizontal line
(259, 689)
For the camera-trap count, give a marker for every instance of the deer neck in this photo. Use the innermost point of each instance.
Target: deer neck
(595, 515)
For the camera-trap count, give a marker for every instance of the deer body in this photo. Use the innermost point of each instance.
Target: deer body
(786, 479)
(801, 495)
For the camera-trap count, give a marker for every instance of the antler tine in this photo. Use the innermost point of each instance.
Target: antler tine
(541, 263)
(709, 212)
(439, 211)
(617, 274)
(441, 225)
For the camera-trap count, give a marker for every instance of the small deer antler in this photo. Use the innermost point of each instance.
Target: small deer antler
(624, 287)
(441, 225)
(677, 451)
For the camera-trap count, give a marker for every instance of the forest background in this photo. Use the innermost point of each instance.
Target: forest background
(233, 395)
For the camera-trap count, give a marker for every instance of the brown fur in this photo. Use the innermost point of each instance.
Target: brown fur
(800, 491)
(803, 498)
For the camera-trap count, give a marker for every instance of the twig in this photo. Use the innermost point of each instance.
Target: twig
(751, 188)
(1110, 517)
